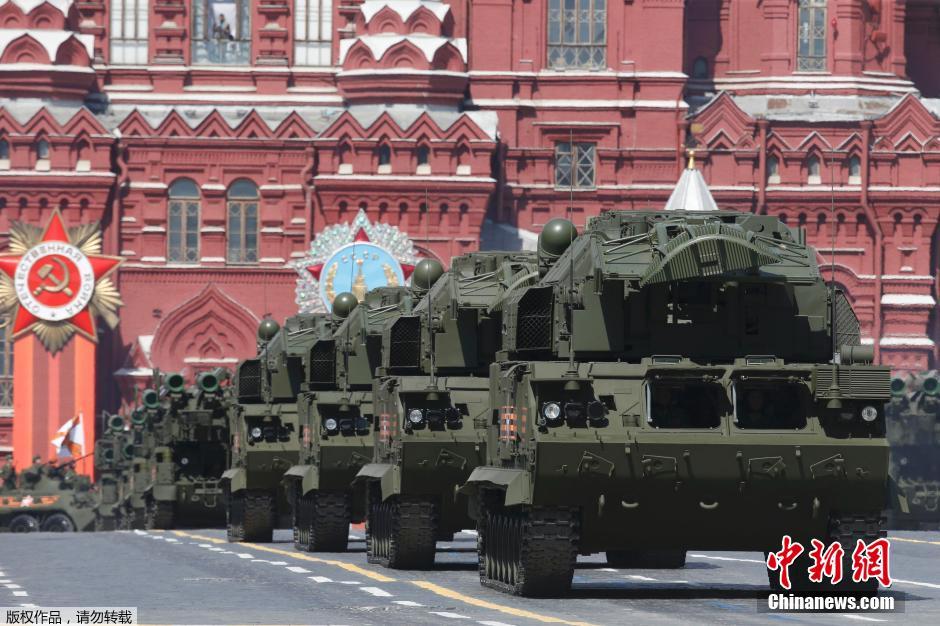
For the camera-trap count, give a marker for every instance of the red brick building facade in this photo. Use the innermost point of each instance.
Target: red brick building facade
(215, 139)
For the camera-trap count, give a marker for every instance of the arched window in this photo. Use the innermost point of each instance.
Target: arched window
(424, 160)
(242, 222)
(42, 155)
(700, 68)
(773, 170)
(855, 170)
(6, 366)
(384, 156)
(811, 36)
(183, 222)
(4, 154)
(813, 175)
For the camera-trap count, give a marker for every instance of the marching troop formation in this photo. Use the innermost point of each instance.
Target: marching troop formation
(663, 381)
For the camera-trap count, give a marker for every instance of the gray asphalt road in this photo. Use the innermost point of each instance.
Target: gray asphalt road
(195, 577)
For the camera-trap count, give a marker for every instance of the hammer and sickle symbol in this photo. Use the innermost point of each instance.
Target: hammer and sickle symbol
(47, 272)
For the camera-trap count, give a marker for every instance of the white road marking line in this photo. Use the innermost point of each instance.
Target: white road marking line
(5, 581)
(489, 623)
(2, 574)
(375, 591)
(204, 545)
(726, 558)
(297, 570)
(448, 615)
(245, 555)
(12, 586)
(216, 549)
(320, 579)
(278, 562)
(355, 538)
(862, 618)
(28, 605)
(140, 532)
(172, 540)
(915, 583)
(407, 603)
(609, 569)
(643, 578)
(349, 582)
(469, 532)
(20, 593)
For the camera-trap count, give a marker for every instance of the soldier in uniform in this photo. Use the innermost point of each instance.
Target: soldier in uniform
(8, 475)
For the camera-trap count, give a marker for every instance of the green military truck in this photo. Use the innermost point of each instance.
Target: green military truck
(676, 380)
(190, 452)
(432, 404)
(913, 418)
(264, 430)
(336, 419)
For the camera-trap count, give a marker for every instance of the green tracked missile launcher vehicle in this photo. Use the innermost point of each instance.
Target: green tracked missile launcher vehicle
(913, 417)
(431, 400)
(137, 454)
(189, 453)
(676, 380)
(263, 429)
(336, 417)
(112, 459)
(45, 497)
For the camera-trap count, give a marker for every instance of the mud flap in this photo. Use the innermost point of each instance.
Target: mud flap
(515, 484)
(308, 475)
(387, 475)
(234, 480)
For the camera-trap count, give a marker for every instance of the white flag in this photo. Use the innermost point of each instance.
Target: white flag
(69, 441)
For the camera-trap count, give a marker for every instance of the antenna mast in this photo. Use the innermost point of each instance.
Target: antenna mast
(432, 378)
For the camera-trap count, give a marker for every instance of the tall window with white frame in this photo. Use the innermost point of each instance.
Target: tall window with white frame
(313, 32)
(242, 222)
(811, 36)
(129, 34)
(574, 165)
(183, 222)
(221, 32)
(6, 367)
(577, 34)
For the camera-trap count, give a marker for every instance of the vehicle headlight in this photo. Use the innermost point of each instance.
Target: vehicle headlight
(415, 416)
(256, 432)
(330, 423)
(869, 413)
(551, 411)
(184, 461)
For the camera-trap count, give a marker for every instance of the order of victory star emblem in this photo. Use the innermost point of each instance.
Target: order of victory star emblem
(54, 282)
(355, 257)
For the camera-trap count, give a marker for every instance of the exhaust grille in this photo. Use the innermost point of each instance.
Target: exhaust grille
(534, 320)
(249, 380)
(323, 362)
(867, 382)
(405, 343)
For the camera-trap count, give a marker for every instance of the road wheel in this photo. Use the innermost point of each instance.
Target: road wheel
(235, 517)
(160, 515)
(528, 551)
(322, 522)
(259, 516)
(24, 524)
(646, 559)
(58, 523)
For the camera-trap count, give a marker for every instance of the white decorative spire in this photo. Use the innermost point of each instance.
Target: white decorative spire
(691, 192)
